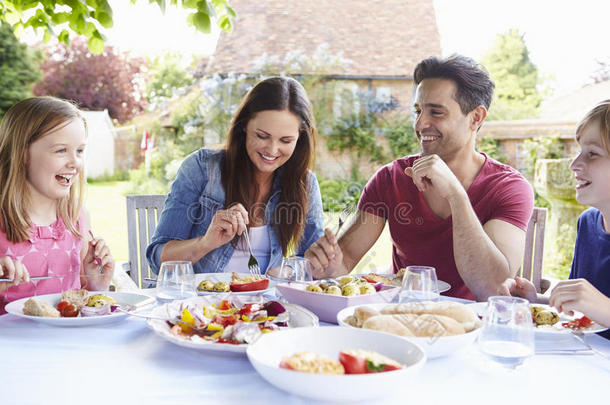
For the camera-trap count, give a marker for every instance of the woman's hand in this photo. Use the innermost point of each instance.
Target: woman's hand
(579, 295)
(225, 225)
(98, 266)
(14, 270)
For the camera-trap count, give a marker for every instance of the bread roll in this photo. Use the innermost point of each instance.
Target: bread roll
(388, 323)
(34, 307)
(76, 297)
(364, 313)
(455, 310)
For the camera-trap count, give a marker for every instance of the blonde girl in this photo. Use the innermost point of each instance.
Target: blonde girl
(43, 223)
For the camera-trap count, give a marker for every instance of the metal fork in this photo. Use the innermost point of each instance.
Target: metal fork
(253, 266)
(343, 217)
(581, 338)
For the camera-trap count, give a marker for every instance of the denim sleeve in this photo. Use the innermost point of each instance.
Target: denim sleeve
(181, 207)
(314, 220)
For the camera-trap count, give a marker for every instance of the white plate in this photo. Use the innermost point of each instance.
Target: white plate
(226, 277)
(122, 298)
(546, 330)
(432, 346)
(443, 286)
(299, 317)
(266, 353)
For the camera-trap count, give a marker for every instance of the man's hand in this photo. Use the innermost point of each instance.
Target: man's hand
(326, 256)
(431, 172)
(520, 287)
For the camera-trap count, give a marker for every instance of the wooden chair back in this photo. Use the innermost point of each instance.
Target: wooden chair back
(534, 248)
(143, 212)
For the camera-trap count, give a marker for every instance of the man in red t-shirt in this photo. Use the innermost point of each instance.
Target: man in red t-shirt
(451, 207)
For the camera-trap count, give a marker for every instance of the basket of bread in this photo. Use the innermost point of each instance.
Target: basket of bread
(440, 328)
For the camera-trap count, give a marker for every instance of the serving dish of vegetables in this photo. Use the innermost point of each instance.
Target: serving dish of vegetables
(225, 322)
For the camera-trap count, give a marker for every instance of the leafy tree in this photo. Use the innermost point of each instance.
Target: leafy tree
(516, 77)
(111, 80)
(166, 77)
(87, 17)
(18, 69)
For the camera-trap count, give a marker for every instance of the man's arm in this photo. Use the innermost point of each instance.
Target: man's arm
(332, 258)
(485, 255)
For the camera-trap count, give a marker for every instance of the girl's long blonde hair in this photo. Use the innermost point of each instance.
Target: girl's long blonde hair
(25, 123)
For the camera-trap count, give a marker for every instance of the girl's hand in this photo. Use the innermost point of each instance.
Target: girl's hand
(98, 266)
(225, 225)
(14, 270)
(579, 295)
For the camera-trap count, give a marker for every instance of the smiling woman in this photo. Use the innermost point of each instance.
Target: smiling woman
(260, 184)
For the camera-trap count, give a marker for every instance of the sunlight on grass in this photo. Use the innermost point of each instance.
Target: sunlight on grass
(106, 204)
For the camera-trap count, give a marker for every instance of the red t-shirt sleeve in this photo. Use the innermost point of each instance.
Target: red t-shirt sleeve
(373, 198)
(514, 201)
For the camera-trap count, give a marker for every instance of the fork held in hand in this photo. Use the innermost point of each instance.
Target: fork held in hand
(253, 266)
(347, 211)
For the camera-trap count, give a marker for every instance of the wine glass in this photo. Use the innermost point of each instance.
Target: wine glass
(507, 335)
(419, 284)
(294, 268)
(176, 281)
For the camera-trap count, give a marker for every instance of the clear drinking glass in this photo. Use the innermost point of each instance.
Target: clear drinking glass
(419, 284)
(176, 281)
(295, 268)
(507, 336)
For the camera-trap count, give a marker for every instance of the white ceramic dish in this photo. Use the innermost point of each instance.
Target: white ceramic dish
(432, 346)
(443, 286)
(266, 353)
(547, 330)
(122, 298)
(299, 317)
(226, 277)
(326, 306)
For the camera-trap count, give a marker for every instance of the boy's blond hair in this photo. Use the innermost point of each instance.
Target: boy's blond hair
(601, 114)
(23, 124)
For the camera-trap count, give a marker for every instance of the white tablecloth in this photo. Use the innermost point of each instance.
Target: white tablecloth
(125, 363)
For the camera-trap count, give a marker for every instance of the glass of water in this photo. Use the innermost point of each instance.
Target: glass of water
(507, 335)
(176, 281)
(419, 283)
(294, 268)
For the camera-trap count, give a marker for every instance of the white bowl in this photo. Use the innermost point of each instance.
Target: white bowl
(432, 346)
(326, 306)
(266, 353)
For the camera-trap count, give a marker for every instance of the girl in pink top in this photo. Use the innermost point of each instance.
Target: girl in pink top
(43, 223)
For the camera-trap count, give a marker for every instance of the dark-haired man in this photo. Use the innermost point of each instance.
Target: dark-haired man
(451, 207)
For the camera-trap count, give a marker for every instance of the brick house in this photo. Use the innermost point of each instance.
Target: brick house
(383, 39)
(557, 117)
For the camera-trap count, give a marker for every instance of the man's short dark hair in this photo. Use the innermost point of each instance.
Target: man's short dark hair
(474, 85)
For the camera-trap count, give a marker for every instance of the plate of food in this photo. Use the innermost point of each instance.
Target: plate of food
(439, 327)
(336, 364)
(78, 307)
(327, 297)
(225, 323)
(236, 283)
(396, 280)
(548, 321)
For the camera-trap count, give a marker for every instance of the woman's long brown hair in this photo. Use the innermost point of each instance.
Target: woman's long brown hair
(279, 94)
(23, 124)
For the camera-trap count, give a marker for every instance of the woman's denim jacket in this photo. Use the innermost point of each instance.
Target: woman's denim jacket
(196, 195)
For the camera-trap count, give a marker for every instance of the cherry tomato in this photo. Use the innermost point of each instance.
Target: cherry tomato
(224, 305)
(70, 311)
(62, 305)
(253, 286)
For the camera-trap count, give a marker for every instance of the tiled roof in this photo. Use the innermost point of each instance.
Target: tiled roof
(380, 37)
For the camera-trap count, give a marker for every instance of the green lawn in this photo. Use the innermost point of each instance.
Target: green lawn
(106, 203)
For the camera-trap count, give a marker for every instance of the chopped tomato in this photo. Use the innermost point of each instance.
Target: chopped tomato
(250, 308)
(62, 305)
(224, 305)
(69, 311)
(225, 321)
(366, 361)
(284, 364)
(578, 323)
(253, 286)
(369, 279)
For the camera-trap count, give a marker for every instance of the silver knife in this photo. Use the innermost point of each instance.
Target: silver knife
(8, 280)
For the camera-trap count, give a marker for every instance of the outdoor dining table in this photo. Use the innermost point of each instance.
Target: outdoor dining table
(126, 363)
